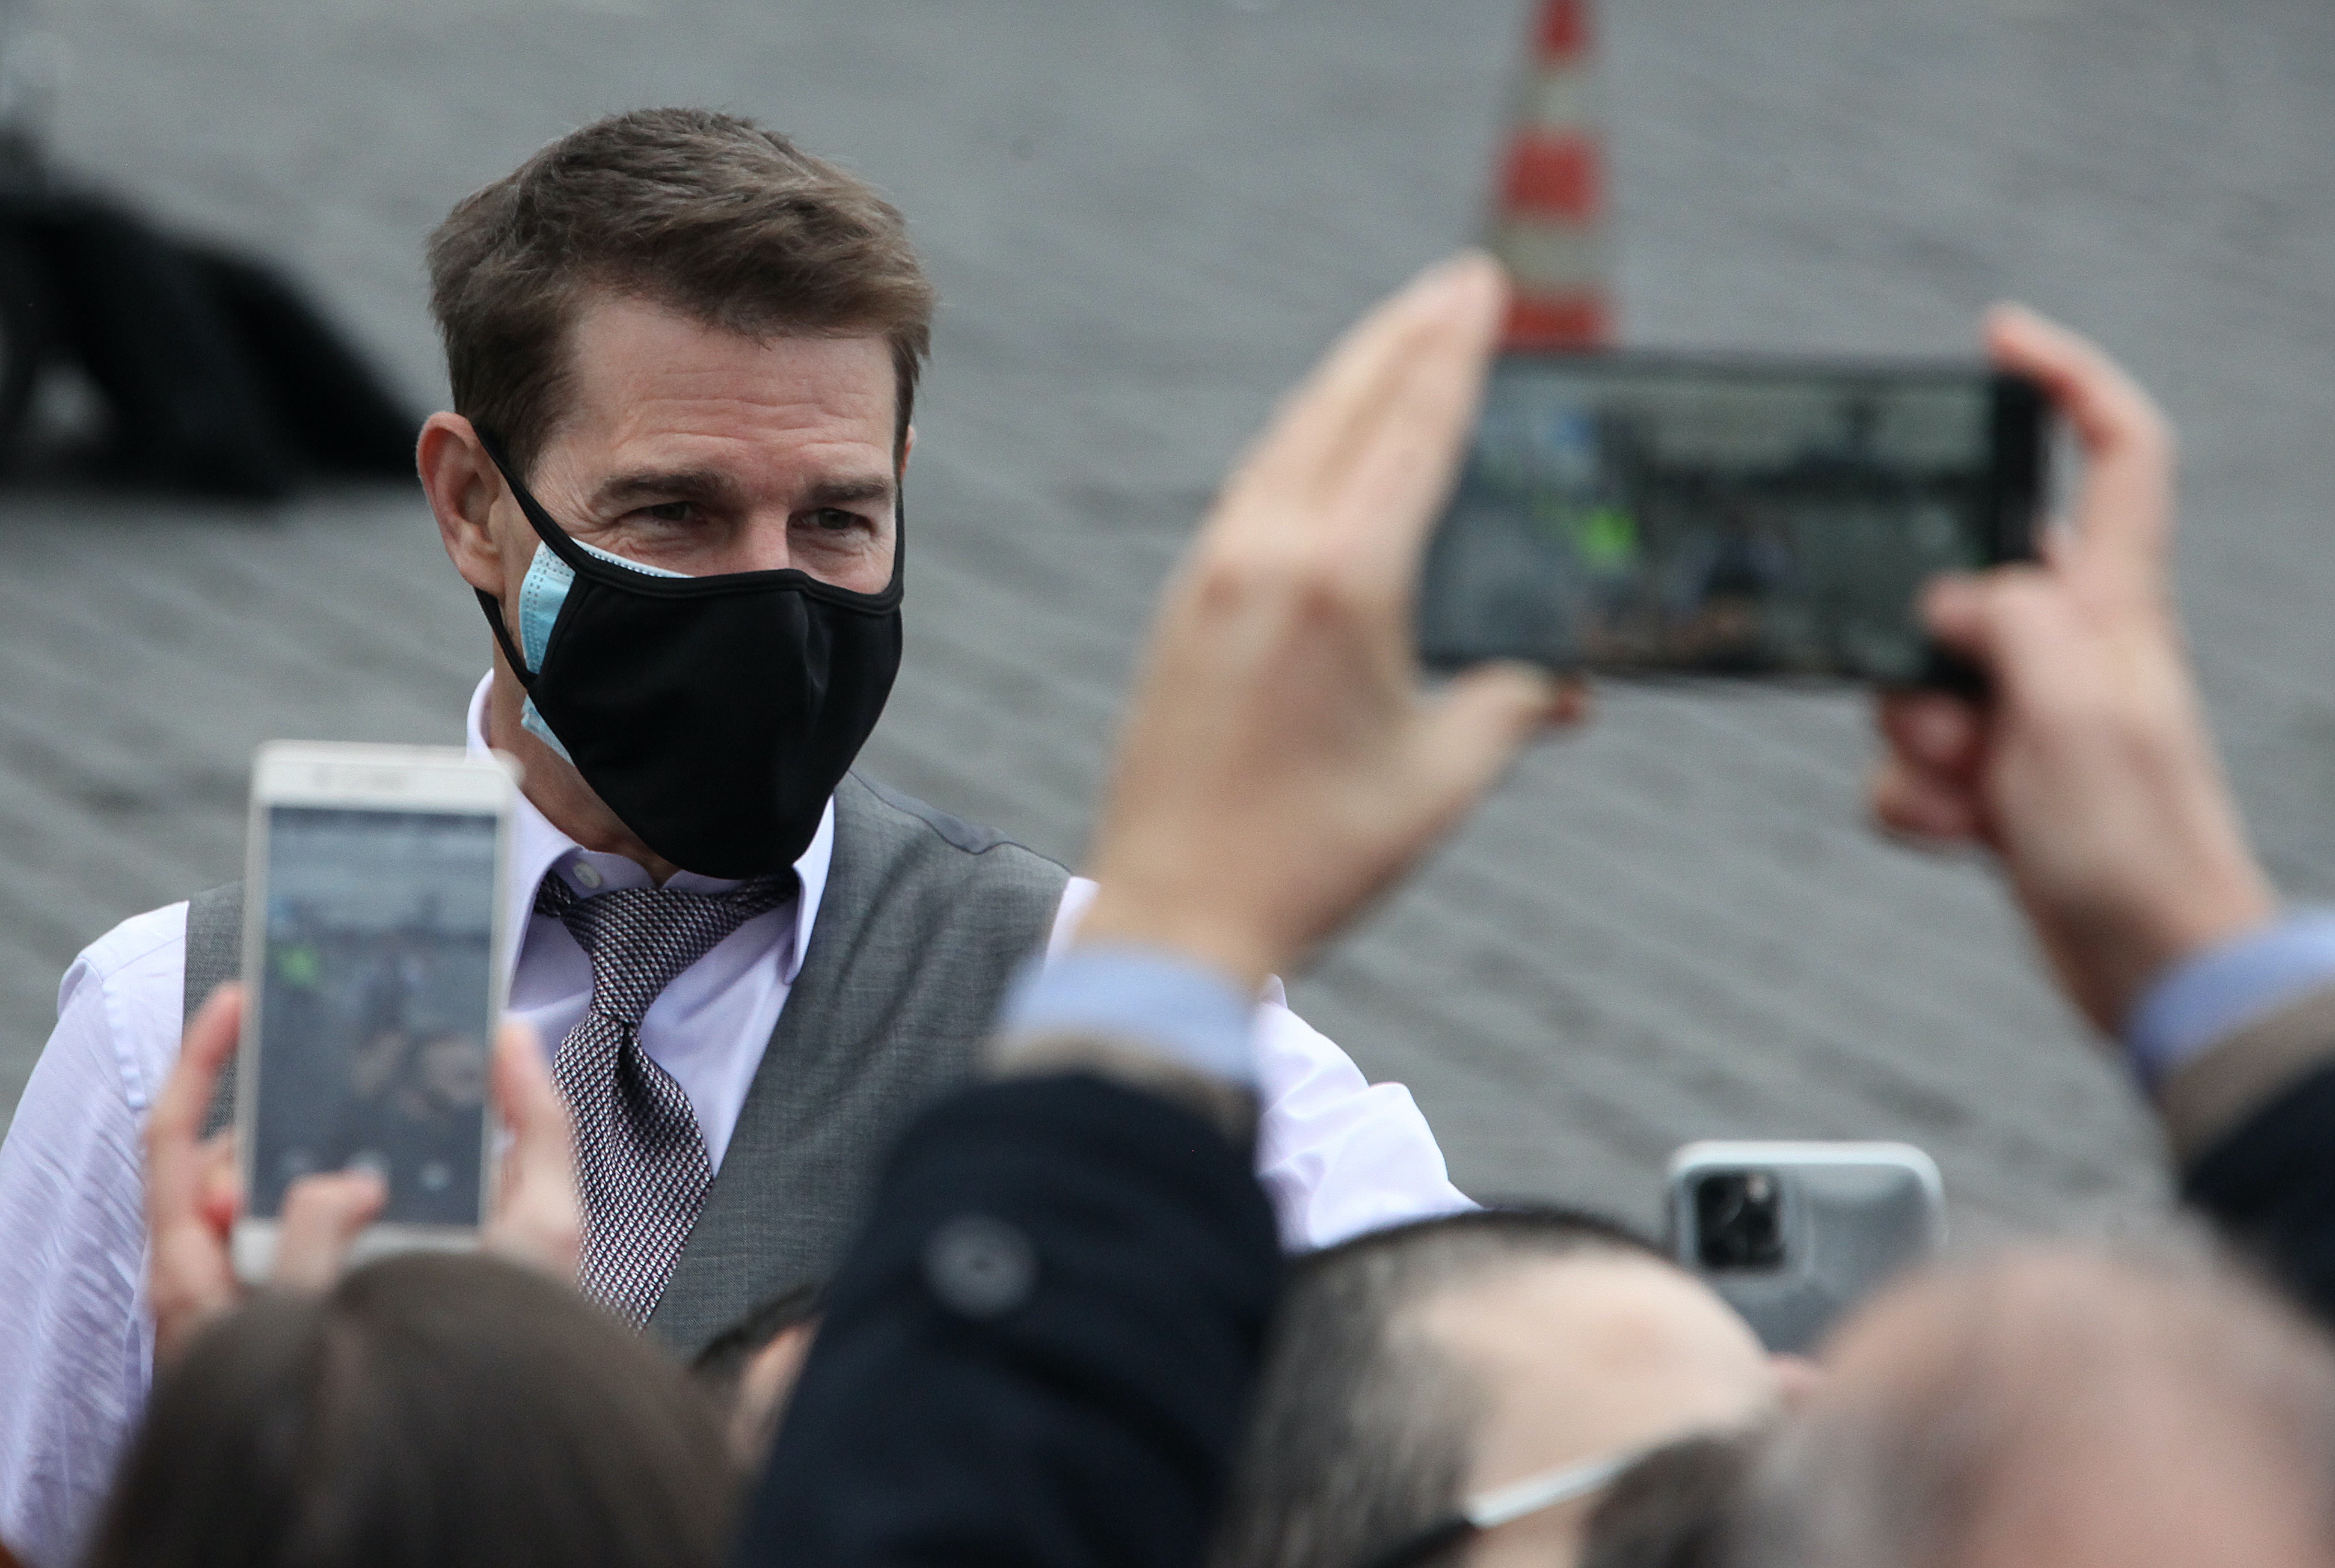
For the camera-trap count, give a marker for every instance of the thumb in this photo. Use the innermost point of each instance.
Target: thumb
(321, 1216)
(2009, 622)
(539, 1219)
(1480, 722)
(530, 1101)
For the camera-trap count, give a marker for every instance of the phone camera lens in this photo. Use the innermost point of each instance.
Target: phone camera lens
(1739, 1220)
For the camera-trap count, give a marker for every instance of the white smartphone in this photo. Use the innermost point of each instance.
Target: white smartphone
(1793, 1234)
(374, 931)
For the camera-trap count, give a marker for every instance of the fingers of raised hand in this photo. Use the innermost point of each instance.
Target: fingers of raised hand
(1316, 421)
(1936, 731)
(190, 1276)
(2018, 623)
(539, 1219)
(1399, 466)
(1927, 808)
(1928, 786)
(1379, 421)
(220, 1197)
(175, 1125)
(2124, 517)
(190, 1197)
(189, 1281)
(1475, 727)
(322, 1216)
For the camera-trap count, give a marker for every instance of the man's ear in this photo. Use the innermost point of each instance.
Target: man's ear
(462, 485)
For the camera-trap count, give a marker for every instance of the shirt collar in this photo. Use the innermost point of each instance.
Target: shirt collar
(538, 849)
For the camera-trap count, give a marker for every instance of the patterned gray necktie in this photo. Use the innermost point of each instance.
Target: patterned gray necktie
(640, 1157)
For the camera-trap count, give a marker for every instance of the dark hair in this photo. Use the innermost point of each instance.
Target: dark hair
(436, 1408)
(707, 213)
(718, 1367)
(1361, 1432)
(1672, 1509)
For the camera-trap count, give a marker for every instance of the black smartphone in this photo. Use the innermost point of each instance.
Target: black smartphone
(1729, 513)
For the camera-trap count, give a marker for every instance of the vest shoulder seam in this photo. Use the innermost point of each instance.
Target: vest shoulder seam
(937, 822)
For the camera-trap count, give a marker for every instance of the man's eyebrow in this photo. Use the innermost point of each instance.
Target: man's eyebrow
(704, 487)
(710, 488)
(848, 493)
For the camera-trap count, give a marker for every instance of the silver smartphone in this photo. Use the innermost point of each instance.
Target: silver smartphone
(375, 930)
(1793, 1234)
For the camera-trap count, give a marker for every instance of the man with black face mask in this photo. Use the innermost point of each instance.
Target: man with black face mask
(684, 357)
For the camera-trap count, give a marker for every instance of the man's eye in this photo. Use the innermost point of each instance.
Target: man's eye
(836, 520)
(669, 511)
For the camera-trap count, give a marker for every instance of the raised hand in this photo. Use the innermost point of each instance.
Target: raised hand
(2088, 769)
(193, 1197)
(538, 1218)
(1280, 766)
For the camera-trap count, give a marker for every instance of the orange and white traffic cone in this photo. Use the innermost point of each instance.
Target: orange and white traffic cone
(1550, 227)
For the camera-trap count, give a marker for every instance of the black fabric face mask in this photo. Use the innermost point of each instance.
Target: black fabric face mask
(714, 715)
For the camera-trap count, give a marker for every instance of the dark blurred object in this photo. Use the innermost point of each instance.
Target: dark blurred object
(750, 1368)
(718, 1367)
(1670, 1509)
(215, 373)
(218, 376)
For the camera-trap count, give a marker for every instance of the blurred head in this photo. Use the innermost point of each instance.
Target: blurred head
(1673, 1508)
(750, 1368)
(2059, 1408)
(1420, 1366)
(437, 1408)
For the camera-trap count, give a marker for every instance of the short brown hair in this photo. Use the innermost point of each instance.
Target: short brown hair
(1360, 1425)
(434, 1407)
(706, 213)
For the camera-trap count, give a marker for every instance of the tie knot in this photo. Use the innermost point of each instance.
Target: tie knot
(640, 938)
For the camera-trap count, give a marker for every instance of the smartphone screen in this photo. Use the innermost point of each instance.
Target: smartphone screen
(376, 1002)
(1632, 512)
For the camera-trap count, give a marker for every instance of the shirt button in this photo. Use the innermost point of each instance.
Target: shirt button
(588, 874)
(980, 1267)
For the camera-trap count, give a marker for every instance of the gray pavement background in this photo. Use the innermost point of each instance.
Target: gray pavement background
(1146, 218)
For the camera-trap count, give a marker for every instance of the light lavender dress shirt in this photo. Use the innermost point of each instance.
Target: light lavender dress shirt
(1337, 1153)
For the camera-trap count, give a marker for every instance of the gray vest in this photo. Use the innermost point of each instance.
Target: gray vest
(922, 921)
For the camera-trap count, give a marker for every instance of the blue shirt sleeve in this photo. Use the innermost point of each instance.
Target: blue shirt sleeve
(1182, 1010)
(2205, 997)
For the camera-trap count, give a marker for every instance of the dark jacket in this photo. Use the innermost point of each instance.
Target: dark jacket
(2252, 1126)
(1039, 1349)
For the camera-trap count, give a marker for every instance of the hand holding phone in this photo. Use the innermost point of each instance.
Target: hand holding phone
(193, 1195)
(2091, 771)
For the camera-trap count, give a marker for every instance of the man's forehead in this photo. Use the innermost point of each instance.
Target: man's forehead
(606, 318)
(623, 353)
(657, 401)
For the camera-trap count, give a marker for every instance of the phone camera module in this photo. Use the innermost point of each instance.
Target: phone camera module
(1739, 1220)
